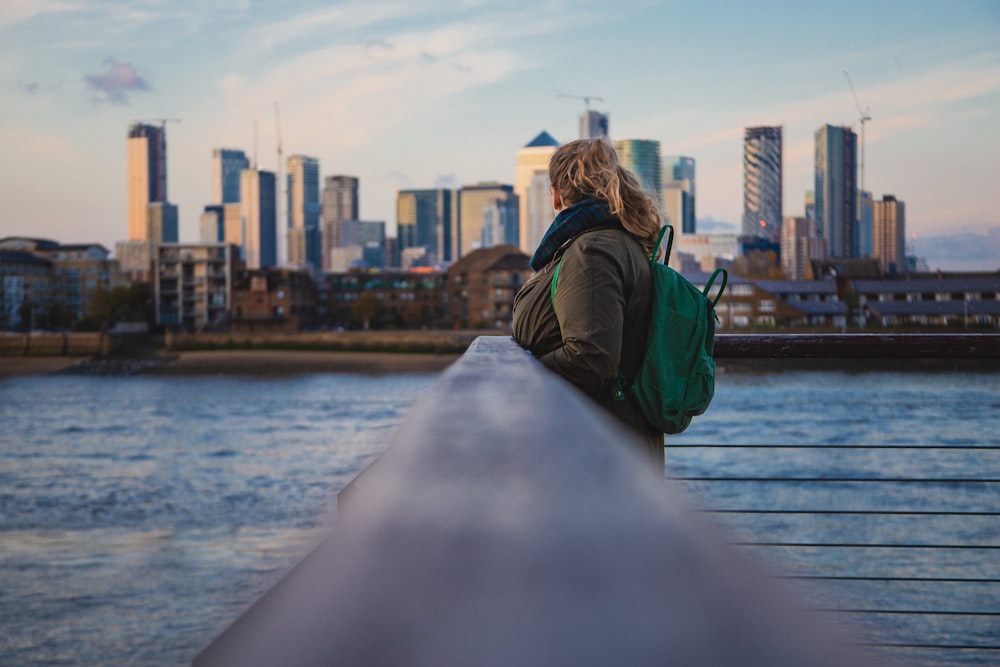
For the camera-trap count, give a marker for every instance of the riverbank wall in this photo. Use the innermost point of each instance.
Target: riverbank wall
(429, 341)
(69, 344)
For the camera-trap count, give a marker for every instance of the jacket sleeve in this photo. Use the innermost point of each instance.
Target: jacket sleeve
(590, 307)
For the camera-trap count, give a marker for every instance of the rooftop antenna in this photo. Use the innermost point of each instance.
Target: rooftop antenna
(864, 115)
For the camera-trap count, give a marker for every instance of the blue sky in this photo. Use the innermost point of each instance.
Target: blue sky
(419, 93)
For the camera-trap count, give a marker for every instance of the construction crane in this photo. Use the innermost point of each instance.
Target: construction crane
(587, 99)
(282, 193)
(864, 115)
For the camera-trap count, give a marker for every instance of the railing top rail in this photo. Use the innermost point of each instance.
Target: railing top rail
(511, 522)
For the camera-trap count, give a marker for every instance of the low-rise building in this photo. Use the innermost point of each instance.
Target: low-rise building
(775, 303)
(811, 303)
(972, 300)
(25, 288)
(271, 299)
(192, 284)
(73, 276)
(482, 284)
(399, 299)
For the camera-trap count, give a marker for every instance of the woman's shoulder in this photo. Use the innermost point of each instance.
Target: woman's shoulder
(611, 242)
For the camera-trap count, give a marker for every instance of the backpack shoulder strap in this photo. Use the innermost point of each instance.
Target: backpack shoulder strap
(557, 260)
(722, 287)
(552, 285)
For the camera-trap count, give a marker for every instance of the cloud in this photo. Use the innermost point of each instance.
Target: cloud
(116, 83)
(13, 12)
(969, 251)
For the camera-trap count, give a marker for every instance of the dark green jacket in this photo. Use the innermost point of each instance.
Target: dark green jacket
(603, 303)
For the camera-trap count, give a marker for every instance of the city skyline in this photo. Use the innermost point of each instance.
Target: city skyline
(412, 96)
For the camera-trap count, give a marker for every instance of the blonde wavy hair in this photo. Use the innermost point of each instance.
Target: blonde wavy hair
(590, 168)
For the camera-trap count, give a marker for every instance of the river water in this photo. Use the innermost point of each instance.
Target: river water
(140, 515)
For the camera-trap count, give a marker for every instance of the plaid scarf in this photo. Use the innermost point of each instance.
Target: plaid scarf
(572, 221)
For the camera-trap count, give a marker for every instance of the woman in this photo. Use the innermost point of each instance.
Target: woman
(602, 237)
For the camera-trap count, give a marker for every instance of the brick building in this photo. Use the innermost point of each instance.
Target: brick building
(482, 284)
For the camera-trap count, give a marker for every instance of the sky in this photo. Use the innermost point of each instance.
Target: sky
(422, 93)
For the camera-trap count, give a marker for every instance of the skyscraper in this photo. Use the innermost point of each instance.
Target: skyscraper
(304, 240)
(147, 177)
(865, 221)
(799, 244)
(162, 221)
(212, 224)
(642, 158)
(259, 213)
(227, 165)
(474, 200)
(678, 193)
(762, 182)
(425, 219)
(531, 185)
(594, 124)
(340, 202)
(889, 233)
(835, 190)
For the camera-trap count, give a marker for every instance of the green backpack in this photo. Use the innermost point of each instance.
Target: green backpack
(676, 379)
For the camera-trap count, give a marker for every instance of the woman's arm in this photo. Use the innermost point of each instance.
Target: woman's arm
(590, 306)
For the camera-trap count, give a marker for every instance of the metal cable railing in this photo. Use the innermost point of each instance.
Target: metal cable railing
(915, 582)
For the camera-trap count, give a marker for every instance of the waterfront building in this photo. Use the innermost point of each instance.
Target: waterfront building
(474, 201)
(426, 219)
(340, 202)
(795, 303)
(642, 158)
(68, 277)
(889, 234)
(227, 165)
(403, 299)
(304, 237)
(147, 177)
(258, 213)
(82, 271)
(273, 299)
(531, 186)
(594, 125)
(26, 287)
(970, 300)
(836, 189)
(482, 284)
(192, 284)
(678, 193)
(762, 179)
